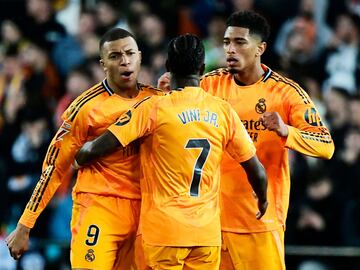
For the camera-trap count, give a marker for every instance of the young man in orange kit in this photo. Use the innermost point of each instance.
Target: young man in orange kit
(278, 115)
(106, 196)
(184, 136)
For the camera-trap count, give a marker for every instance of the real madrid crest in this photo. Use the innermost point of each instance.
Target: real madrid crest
(260, 107)
(90, 256)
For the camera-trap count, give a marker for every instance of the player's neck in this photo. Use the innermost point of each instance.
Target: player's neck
(179, 82)
(128, 92)
(250, 75)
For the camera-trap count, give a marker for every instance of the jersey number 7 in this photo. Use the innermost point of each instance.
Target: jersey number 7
(204, 144)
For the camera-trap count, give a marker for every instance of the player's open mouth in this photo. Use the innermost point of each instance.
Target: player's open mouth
(231, 61)
(126, 75)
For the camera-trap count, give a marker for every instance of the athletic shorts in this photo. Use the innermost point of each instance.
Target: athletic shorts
(179, 258)
(103, 232)
(244, 251)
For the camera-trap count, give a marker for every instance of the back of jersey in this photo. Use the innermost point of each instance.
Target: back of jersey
(189, 132)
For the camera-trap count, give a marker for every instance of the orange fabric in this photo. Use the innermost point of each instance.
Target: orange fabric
(185, 135)
(243, 251)
(104, 230)
(86, 118)
(139, 254)
(307, 135)
(182, 258)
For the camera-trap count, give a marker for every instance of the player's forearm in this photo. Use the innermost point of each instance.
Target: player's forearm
(314, 144)
(101, 146)
(257, 177)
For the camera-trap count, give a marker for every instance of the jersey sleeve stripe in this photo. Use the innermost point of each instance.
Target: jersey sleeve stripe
(43, 190)
(323, 137)
(49, 153)
(45, 175)
(81, 98)
(77, 108)
(40, 189)
(141, 101)
(297, 88)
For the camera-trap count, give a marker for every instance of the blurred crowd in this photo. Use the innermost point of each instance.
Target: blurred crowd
(49, 55)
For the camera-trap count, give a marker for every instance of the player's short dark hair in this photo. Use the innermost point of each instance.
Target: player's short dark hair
(186, 55)
(114, 34)
(256, 23)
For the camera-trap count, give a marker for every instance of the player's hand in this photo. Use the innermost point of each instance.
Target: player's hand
(262, 205)
(164, 82)
(273, 122)
(18, 241)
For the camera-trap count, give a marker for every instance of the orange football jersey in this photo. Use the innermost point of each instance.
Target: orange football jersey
(184, 136)
(307, 134)
(86, 118)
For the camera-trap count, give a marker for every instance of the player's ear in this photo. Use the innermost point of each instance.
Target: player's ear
(261, 48)
(102, 64)
(167, 65)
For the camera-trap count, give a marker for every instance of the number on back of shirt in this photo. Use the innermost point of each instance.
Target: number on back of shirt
(205, 146)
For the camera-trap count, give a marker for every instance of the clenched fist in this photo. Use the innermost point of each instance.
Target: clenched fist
(18, 241)
(273, 122)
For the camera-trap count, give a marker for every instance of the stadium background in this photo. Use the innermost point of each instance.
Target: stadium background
(49, 54)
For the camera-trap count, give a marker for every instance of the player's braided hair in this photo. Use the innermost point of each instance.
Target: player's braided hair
(114, 34)
(186, 55)
(256, 23)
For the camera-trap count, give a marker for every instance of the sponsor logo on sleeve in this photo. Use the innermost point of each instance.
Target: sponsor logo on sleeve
(124, 119)
(63, 130)
(312, 117)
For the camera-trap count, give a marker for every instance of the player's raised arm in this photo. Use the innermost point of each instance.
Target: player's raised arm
(101, 146)
(57, 161)
(304, 130)
(132, 125)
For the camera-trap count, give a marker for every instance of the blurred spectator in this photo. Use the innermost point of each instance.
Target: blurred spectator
(108, 16)
(42, 81)
(152, 42)
(96, 70)
(77, 81)
(41, 23)
(214, 52)
(68, 12)
(11, 35)
(355, 111)
(137, 10)
(27, 153)
(346, 170)
(318, 213)
(354, 6)
(310, 23)
(73, 50)
(243, 5)
(337, 114)
(343, 55)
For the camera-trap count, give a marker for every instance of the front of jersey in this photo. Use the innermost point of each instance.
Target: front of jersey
(307, 134)
(185, 134)
(85, 119)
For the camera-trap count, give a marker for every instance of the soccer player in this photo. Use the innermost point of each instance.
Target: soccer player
(184, 135)
(107, 193)
(278, 115)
